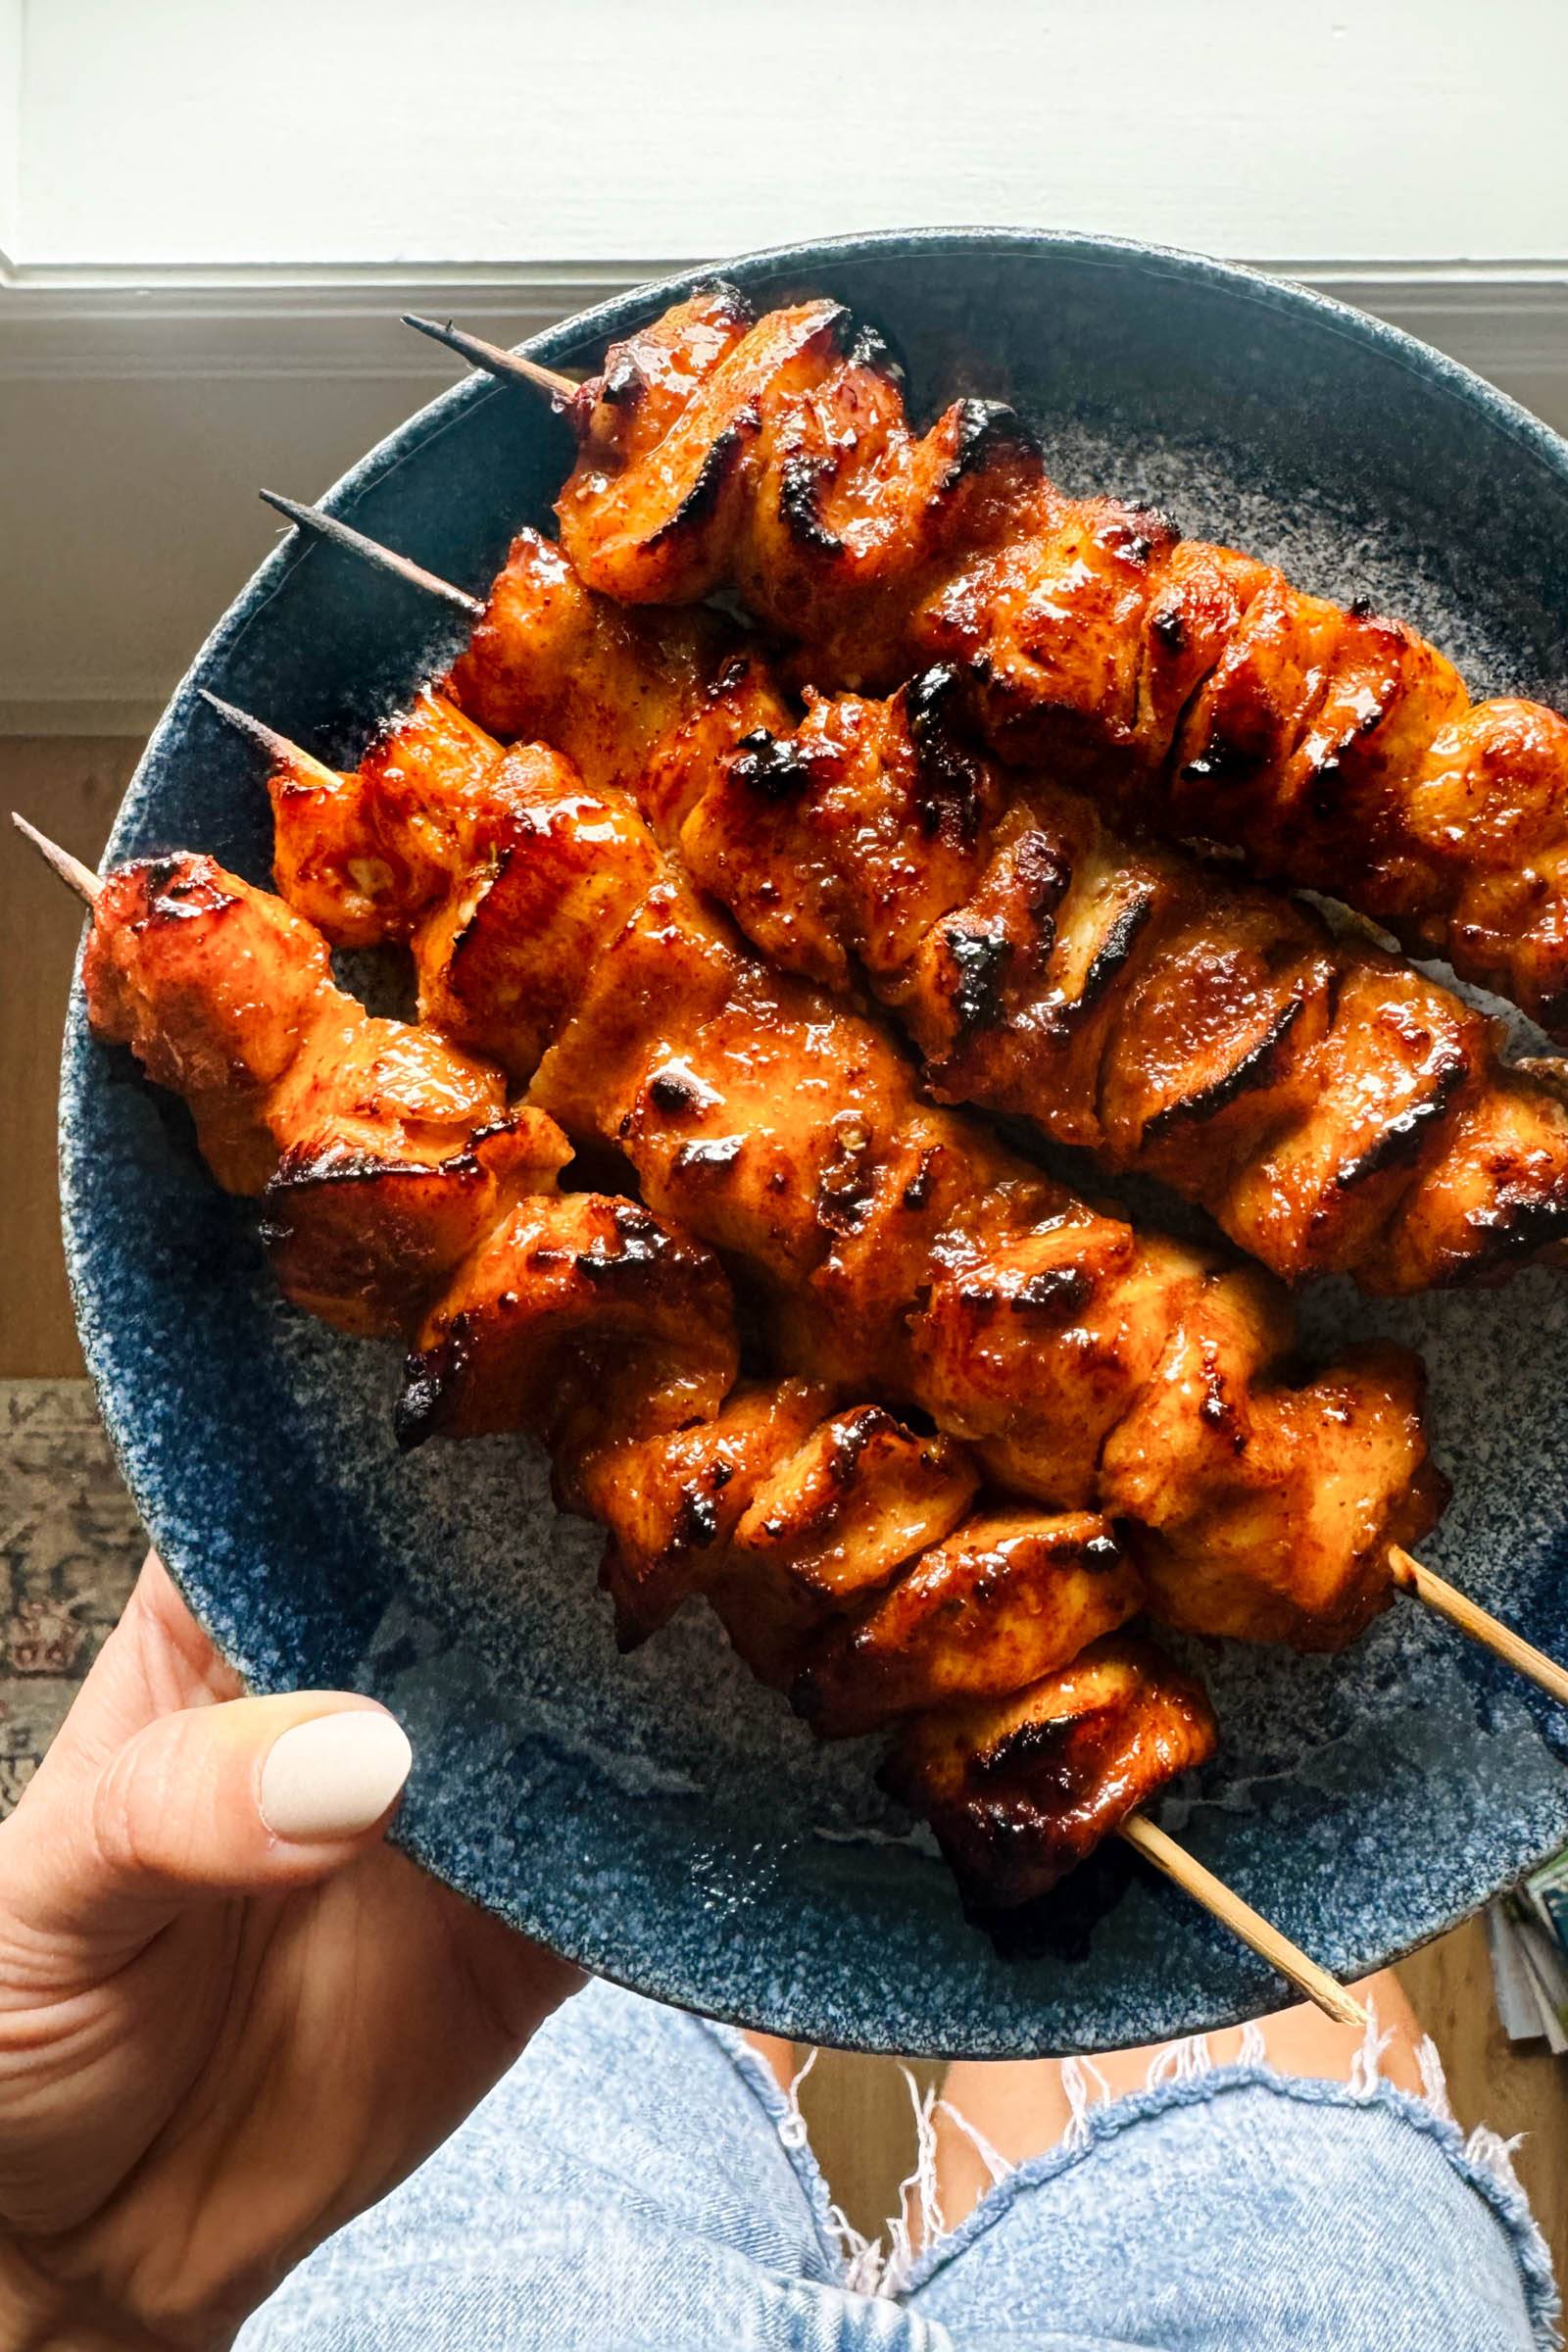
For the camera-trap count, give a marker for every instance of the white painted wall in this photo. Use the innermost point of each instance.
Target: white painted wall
(214, 210)
(10, 122)
(310, 132)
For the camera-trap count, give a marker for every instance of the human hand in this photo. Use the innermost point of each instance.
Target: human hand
(231, 2016)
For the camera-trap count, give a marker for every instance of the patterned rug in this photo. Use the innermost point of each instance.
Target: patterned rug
(69, 1547)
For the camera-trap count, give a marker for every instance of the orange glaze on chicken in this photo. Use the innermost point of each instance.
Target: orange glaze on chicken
(402, 1194)
(898, 1248)
(1192, 686)
(1335, 1110)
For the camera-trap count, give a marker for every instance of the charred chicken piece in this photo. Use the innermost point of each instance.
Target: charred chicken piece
(850, 1507)
(903, 1251)
(577, 1316)
(1019, 1790)
(1006, 1599)
(1328, 1105)
(1193, 686)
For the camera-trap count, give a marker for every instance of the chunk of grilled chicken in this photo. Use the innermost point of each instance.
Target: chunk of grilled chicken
(1194, 685)
(1004, 1599)
(398, 1190)
(1019, 1790)
(1335, 1110)
(574, 1315)
(900, 1249)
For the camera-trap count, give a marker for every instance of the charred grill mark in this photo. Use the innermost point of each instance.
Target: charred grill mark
(1115, 950)
(1043, 1747)
(948, 776)
(986, 429)
(802, 479)
(428, 1381)
(775, 765)
(1360, 608)
(644, 1248)
(852, 1434)
(180, 889)
(980, 958)
(674, 1088)
(1224, 760)
(1169, 626)
(301, 1168)
(722, 1152)
(1520, 1224)
(1256, 1067)
(1056, 1290)
(696, 1521)
(1403, 1137)
(714, 475)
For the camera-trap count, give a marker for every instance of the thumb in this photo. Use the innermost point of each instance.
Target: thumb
(254, 1796)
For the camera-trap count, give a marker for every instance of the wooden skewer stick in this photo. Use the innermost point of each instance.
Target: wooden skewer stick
(1481, 1626)
(277, 748)
(1175, 1863)
(1407, 1572)
(1163, 1853)
(510, 365)
(343, 534)
(74, 875)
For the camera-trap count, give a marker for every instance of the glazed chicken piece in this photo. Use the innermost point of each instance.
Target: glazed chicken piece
(1191, 685)
(1006, 1599)
(384, 1152)
(579, 1316)
(1018, 1789)
(901, 1250)
(1327, 1105)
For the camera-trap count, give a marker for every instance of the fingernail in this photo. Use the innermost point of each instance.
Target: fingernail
(335, 1775)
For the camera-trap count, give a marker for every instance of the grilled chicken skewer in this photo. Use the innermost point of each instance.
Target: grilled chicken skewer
(226, 996)
(379, 851)
(1334, 1110)
(901, 1247)
(1197, 686)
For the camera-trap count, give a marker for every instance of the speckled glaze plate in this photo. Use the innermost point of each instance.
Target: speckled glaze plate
(661, 1818)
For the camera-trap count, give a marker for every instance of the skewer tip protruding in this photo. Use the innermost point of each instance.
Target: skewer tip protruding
(278, 747)
(76, 876)
(343, 534)
(510, 365)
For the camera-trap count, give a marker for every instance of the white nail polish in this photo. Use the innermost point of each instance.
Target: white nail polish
(335, 1775)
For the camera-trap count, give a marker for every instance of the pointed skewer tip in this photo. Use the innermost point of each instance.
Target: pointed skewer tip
(255, 730)
(510, 366)
(343, 534)
(76, 876)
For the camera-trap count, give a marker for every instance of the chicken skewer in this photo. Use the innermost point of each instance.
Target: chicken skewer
(905, 1247)
(1201, 690)
(1317, 1596)
(1335, 1110)
(332, 827)
(972, 1768)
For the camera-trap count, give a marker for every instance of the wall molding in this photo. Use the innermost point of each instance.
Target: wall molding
(84, 324)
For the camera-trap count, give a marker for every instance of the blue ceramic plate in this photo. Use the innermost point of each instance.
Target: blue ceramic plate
(661, 1818)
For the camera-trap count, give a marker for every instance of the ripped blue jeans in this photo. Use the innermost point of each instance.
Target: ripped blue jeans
(640, 2184)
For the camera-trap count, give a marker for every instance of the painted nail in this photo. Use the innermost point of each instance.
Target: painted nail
(335, 1775)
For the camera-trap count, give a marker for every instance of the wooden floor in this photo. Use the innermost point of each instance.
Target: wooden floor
(857, 2108)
